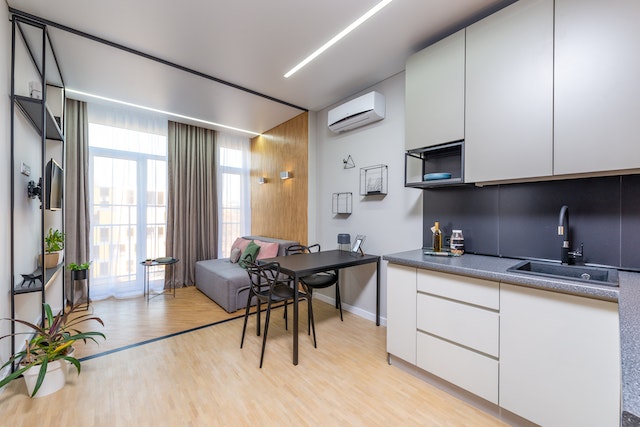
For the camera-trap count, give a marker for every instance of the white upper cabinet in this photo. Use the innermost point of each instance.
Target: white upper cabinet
(597, 86)
(435, 94)
(509, 94)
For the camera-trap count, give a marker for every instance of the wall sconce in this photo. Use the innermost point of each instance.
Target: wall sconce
(285, 175)
(262, 180)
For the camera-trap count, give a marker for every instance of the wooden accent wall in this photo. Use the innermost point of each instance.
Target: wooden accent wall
(279, 207)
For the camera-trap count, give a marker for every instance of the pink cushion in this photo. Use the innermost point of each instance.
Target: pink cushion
(241, 244)
(267, 250)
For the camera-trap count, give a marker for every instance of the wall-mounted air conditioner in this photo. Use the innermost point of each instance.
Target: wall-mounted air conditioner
(358, 112)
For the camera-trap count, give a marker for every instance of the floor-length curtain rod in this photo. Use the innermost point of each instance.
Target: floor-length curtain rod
(148, 56)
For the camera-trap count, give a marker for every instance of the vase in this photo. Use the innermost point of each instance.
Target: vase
(54, 380)
(50, 260)
(78, 274)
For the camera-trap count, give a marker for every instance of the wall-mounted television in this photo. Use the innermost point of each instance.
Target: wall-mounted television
(54, 183)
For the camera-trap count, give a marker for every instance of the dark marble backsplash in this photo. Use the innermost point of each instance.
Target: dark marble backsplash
(521, 220)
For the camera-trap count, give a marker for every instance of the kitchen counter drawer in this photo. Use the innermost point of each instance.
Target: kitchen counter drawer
(470, 326)
(471, 290)
(460, 366)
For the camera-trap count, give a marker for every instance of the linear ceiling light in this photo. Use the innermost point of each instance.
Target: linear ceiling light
(339, 36)
(142, 107)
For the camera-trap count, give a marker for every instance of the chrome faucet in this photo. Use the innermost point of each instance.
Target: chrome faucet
(567, 256)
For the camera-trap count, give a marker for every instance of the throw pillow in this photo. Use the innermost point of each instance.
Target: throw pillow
(267, 249)
(240, 243)
(249, 254)
(235, 255)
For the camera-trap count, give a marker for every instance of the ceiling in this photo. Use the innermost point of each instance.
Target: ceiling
(250, 44)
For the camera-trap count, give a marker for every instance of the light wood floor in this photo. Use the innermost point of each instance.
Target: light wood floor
(203, 378)
(132, 321)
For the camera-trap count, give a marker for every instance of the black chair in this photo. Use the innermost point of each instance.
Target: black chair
(270, 286)
(318, 280)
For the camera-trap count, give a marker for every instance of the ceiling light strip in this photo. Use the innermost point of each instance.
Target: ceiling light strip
(155, 110)
(339, 36)
(148, 56)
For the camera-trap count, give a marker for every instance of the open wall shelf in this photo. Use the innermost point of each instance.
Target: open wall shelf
(32, 109)
(341, 203)
(374, 180)
(446, 158)
(29, 285)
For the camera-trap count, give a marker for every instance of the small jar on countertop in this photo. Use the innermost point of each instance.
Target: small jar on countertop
(457, 242)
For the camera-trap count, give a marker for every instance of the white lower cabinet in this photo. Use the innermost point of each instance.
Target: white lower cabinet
(401, 312)
(457, 326)
(559, 358)
(465, 368)
(551, 358)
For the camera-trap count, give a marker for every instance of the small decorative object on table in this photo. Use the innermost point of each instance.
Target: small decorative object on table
(357, 245)
(344, 239)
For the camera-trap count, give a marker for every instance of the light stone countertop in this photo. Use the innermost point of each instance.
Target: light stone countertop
(627, 295)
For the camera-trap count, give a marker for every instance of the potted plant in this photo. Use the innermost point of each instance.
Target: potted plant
(53, 244)
(47, 356)
(79, 271)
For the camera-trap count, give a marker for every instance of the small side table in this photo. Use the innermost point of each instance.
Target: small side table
(147, 266)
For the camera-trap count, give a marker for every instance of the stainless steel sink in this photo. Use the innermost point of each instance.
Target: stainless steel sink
(581, 273)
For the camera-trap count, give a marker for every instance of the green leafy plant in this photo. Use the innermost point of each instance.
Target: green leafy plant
(50, 342)
(53, 241)
(75, 267)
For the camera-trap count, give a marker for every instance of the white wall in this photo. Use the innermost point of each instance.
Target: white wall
(392, 223)
(5, 188)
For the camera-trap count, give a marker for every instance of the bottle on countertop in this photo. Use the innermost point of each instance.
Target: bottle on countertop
(457, 242)
(437, 237)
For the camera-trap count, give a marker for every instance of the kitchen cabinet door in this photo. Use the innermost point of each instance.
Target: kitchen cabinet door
(509, 90)
(559, 358)
(401, 312)
(434, 78)
(597, 86)
(458, 325)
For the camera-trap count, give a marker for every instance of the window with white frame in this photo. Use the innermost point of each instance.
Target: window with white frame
(234, 202)
(128, 193)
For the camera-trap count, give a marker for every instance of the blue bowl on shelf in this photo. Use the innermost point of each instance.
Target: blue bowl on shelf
(434, 176)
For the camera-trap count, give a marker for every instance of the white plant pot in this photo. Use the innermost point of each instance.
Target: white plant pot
(54, 380)
(70, 368)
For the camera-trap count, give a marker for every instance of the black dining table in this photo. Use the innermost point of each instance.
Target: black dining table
(301, 265)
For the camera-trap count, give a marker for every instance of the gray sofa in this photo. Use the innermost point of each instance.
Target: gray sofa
(227, 283)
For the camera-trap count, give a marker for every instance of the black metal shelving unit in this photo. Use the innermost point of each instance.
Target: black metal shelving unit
(31, 40)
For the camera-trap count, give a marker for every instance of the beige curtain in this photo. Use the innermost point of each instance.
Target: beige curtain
(76, 194)
(192, 211)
